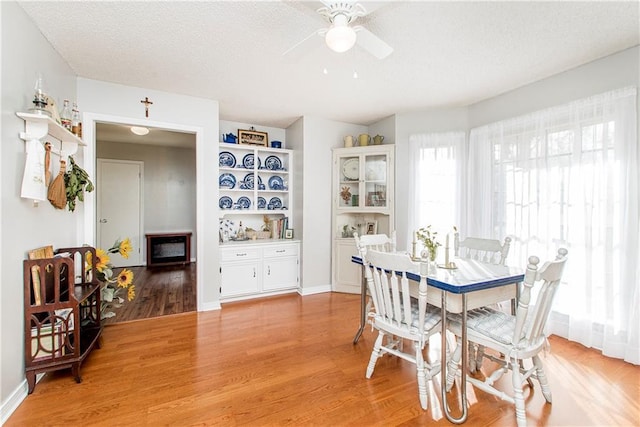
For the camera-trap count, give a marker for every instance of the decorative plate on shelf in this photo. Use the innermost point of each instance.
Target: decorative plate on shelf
(275, 203)
(249, 181)
(276, 183)
(227, 160)
(225, 202)
(273, 163)
(248, 161)
(351, 169)
(244, 202)
(262, 202)
(227, 180)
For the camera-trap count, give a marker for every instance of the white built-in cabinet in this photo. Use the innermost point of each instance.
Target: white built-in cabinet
(254, 182)
(259, 269)
(362, 201)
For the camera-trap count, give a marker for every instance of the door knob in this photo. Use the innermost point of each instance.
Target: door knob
(103, 221)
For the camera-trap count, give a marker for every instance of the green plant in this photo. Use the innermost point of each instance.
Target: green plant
(76, 182)
(428, 239)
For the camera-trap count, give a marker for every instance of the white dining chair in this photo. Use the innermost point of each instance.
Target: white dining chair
(485, 250)
(378, 242)
(397, 316)
(491, 251)
(514, 339)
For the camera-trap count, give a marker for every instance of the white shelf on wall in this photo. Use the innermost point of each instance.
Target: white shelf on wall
(38, 126)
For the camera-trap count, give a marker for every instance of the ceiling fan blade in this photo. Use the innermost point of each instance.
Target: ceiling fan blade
(319, 32)
(372, 43)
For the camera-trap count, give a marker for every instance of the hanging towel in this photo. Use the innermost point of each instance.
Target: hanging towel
(33, 180)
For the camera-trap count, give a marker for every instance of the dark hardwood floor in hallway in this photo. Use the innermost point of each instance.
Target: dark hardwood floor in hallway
(289, 361)
(159, 291)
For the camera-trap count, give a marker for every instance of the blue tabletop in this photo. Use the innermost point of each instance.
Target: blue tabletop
(469, 276)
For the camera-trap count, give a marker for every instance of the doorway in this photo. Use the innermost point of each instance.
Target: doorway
(146, 185)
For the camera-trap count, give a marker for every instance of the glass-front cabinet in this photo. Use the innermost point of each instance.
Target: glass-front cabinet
(363, 203)
(363, 180)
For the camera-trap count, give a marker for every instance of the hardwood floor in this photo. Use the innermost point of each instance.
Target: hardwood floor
(159, 291)
(289, 360)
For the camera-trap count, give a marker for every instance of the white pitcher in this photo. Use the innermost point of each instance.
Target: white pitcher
(348, 141)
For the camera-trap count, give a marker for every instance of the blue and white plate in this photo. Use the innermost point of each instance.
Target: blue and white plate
(227, 160)
(273, 163)
(262, 202)
(225, 202)
(248, 161)
(249, 181)
(227, 180)
(275, 202)
(244, 202)
(276, 183)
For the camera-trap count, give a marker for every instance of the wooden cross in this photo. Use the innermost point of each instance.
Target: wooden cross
(146, 103)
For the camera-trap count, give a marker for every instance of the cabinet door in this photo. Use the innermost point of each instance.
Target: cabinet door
(349, 177)
(347, 275)
(376, 169)
(280, 273)
(239, 278)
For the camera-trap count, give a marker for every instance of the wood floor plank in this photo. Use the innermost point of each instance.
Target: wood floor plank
(160, 291)
(289, 360)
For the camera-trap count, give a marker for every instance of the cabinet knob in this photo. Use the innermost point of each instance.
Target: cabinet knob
(103, 221)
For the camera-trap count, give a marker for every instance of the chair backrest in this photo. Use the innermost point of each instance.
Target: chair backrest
(386, 275)
(530, 324)
(484, 250)
(378, 242)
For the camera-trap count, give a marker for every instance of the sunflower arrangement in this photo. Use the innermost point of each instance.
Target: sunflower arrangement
(114, 287)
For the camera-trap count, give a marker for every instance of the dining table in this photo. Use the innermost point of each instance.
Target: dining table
(469, 284)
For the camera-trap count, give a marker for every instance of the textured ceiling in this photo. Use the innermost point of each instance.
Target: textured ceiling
(445, 53)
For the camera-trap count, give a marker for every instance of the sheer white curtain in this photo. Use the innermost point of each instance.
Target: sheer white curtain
(567, 176)
(437, 172)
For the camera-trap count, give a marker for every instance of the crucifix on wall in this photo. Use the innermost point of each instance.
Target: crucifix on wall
(146, 103)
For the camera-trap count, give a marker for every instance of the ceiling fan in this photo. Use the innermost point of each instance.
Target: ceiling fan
(341, 36)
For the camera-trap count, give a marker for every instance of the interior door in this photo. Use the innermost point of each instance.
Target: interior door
(119, 207)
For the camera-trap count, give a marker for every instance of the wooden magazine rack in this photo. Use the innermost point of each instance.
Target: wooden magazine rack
(62, 312)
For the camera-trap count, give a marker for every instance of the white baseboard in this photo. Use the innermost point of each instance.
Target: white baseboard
(314, 290)
(210, 306)
(13, 401)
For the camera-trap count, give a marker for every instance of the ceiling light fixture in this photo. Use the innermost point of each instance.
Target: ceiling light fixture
(340, 37)
(138, 130)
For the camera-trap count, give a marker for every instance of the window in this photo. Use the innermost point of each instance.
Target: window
(437, 173)
(567, 176)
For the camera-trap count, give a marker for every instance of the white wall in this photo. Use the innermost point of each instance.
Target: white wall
(385, 127)
(169, 185)
(295, 142)
(170, 111)
(25, 52)
(320, 136)
(612, 72)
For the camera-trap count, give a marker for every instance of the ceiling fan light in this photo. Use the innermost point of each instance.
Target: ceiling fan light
(138, 130)
(340, 37)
